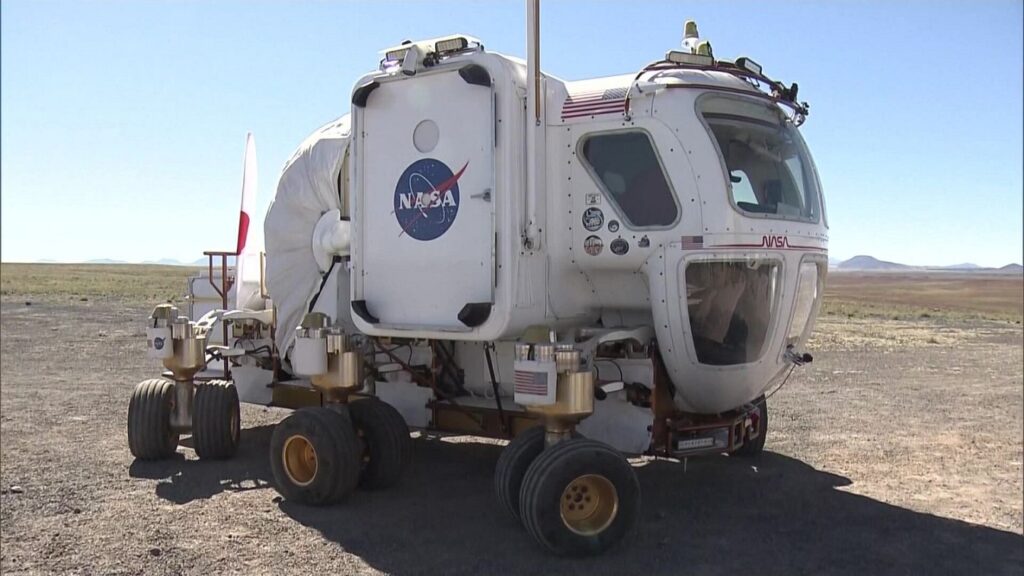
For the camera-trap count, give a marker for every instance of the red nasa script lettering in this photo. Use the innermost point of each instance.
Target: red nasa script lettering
(774, 242)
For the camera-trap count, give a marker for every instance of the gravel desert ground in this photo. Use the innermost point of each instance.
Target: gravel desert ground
(897, 451)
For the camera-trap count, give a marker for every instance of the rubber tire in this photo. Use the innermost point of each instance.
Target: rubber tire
(149, 420)
(552, 472)
(754, 449)
(216, 420)
(387, 445)
(333, 437)
(515, 459)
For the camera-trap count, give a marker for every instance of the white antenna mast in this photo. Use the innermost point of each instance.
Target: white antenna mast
(535, 138)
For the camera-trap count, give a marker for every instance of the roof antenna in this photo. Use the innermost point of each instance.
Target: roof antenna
(691, 38)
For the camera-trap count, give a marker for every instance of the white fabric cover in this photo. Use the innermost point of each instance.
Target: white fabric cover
(308, 187)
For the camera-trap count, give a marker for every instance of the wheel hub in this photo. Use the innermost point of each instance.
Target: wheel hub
(589, 504)
(300, 460)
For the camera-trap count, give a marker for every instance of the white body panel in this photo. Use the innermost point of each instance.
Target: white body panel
(414, 238)
(414, 283)
(470, 235)
(253, 384)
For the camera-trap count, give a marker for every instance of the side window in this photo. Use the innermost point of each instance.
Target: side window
(742, 191)
(628, 170)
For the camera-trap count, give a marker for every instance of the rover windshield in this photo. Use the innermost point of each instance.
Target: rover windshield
(730, 305)
(769, 169)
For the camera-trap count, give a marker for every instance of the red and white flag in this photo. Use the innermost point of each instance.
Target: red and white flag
(535, 383)
(247, 254)
(594, 103)
(249, 184)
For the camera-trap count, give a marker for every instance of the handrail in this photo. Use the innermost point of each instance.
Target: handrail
(222, 291)
(779, 94)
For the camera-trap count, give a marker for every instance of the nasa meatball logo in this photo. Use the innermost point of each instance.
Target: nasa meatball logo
(158, 343)
(427, 199)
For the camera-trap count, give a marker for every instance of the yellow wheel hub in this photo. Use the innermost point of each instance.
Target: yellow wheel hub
(589, 504)
(300, 462)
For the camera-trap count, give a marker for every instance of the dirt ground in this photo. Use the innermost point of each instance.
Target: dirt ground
(959, 294)
(897, 451)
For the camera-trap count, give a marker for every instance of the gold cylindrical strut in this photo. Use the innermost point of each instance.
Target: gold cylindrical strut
(344, 366)
(574, 399)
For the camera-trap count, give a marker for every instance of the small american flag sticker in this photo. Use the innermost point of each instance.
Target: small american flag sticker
(594, 103)
(535, 383)
(693, 242)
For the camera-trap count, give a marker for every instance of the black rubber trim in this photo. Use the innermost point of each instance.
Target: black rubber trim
(475, 313)
(475, 74)
(362, 94)
(323, 282)
(359, 307)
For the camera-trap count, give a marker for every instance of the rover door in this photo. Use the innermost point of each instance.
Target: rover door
(426, 202)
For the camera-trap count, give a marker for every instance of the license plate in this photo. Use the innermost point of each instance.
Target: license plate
(693, 443)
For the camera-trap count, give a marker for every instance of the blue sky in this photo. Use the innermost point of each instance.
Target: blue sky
(123, 122)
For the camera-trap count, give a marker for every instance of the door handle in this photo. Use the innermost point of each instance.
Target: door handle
(485, 195)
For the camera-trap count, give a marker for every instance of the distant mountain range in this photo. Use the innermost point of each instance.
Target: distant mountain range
(870, 263)
(101, 261)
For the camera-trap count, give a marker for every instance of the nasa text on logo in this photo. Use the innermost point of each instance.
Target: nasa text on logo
(427, 199)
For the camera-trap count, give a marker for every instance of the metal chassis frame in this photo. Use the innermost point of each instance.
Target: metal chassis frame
(449, 416)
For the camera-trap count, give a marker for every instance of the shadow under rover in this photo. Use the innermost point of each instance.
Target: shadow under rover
(189, 480)
(772, 515)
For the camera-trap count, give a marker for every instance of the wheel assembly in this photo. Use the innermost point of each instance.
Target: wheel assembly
(386, 445)
(579, 497)
(755, 446)
(215, 420)
(515, 459)
(315, 456)
(150, 435)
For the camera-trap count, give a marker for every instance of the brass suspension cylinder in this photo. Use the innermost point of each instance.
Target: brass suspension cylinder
(344, 366)
(574, 395)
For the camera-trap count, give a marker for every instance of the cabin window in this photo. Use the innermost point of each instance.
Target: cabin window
(769, 169)
(742, 191)
(809, 287)
(731, 305)
(628, 171)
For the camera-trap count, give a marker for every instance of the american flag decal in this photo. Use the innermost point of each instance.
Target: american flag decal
(693, 242)
(535, 383)
(594, 103)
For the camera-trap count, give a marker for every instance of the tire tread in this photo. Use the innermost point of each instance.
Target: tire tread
(333, 437)
(539, 472)
(212, 433)
(515, 459)
(387, 434)
(149, 412)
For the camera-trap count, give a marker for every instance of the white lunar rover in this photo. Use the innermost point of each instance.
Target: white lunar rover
(589, 268)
